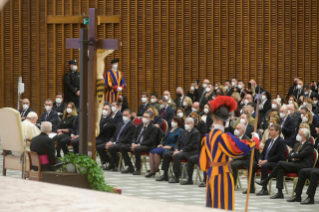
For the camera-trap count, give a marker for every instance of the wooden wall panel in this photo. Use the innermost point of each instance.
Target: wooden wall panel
(164, 44)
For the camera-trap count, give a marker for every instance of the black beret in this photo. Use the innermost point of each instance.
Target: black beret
(116, 60)
(73, 62)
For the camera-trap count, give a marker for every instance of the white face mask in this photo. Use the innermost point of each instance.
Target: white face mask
(306, 92)
(143, 99)
(173, 124)
(105, 113)
(290, 102)
(69, 110)
(58, 100)
(204, 85)
(192, 88)
(273, 106)
(315, 101)
(242, 121)
(125, 119)
(236, 132)
(113, 109)
(145, 120)
(279, 100)
(25, 107)
(304, 104)
(180, 115)
(207, 89)
(153, 100)
(75, 68)
(47, 108)
(288, 112)
(263, 98)
(162, 106)
(270, 124)
(187, 127)
(299, 86)
(301, 116)
(233, 84)
(114, 67)
(166, 97)
(304, 119)
(240, 86)
(216, 88)
(184, 104)
(298, 138)
(282, 115)
(226, 87)
(194, 110)
(206, 110)
(246, 102)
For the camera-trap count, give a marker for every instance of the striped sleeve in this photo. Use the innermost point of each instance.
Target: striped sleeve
(108, 80)
(122, 83)
(203, 157)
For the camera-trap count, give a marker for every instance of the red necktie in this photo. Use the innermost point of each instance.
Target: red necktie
(163, 112)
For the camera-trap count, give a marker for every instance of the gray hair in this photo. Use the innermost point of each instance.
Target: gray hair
(32, 115)
(309, 106)
(292, 106)
(180, 88)
(306, 133)
(46, 127)
(190, 120)
(242, 127)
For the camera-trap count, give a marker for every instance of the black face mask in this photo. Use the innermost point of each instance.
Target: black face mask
(120, 100)
(295, 83)
(179, 94)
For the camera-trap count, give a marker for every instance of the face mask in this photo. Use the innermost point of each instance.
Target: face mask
(273, 106)
(187, 127)
(236, 132)
(113, 109)
(25, 107)
(207, 89)
(282, 115)
(58, 100)
(114, 67)
(246, 102)
(166, 97)
(233, 84)
(125, 119)
(179, 94)
(216, 88)
(263, 98)
(298, 138)
(180, 115)
(75, 68)
(306, 92)
(143, 99)
(204, 85)
(301, 116)
(153, 100)
(304, 104)
(304, 120)
(316, 102)
(145, 120)
(240, 86)
(162, 106)
(226, 87)
(173, 124)
(279, 100)
(47, 108)
(105, 113)
(192, 88)
(184, 104)
(206, 110)
(288, 112)
(290, 102)
(69, 110)
(299, 86)
(194, 110)
(243, 121)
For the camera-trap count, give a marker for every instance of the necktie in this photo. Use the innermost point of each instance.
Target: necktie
(182, 144)
(299, 147)
(140, 138)
(46, 117)
(269, 147)
(163, 112)
(178, 101)
(118, 135)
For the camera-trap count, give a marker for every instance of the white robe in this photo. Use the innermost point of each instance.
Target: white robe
(29, 131)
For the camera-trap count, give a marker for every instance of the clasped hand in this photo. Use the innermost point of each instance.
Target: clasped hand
(261, 162)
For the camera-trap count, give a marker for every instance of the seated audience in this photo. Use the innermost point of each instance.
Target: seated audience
(65, 127)
(116, 113)
(192, 93)
(166, 111)
(206, 118)
(144, 140)
(307, 118)
(315, 118)
(229, 90)
(195, 107)
(287, 126)
(266, 135)
(245, 100)
(199, 124)
(300, 157)
(180, 97)
(167, 145)
(209, 93)
(180, 112)
(157, 119)
(275, 105)
(145, 104)
(25, 109)
(187, 105)
(292, 88)
(44, 146)
(29, 129)
(170, 102)
(154, 101)
(50, 115)
(293, 114)
(59, 105)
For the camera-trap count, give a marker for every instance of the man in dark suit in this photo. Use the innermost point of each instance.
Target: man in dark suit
(72, 84)
(117, 114)
(248, 127)
(201, 91)
(307, 91)
(50, 115)
(300, 157)
(121, 140)
(59, 105)
(180, 97)
(299, 91)
(293, 87)
(25, 109)
(166, 112)
(186, 146)
(143, 141)
(287, 126)
(228, 87)
(44, 146)
(274, 151)
(257, 87)
(145, 104)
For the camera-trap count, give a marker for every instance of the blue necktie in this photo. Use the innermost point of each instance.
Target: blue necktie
(269, 147)
(141, 135)
(118, 135)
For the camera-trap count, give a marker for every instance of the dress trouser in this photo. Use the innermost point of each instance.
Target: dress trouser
(237, 163)
(167, 157)
(264, 172)
(63, 144)
(279, 171)
(177, 161)
(190, 166)
(137, 152)
(307, 173)
(75, 144)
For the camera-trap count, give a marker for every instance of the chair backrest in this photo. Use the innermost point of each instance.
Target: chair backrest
(164, 126)
(137, 121)
(11, 135)
(34, 161)
(312, 140)
(315, 158)
(287, 153)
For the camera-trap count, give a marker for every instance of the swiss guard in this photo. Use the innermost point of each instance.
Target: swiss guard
(216, 149)
(114, 82)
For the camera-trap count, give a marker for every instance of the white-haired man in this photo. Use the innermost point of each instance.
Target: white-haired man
(29, 129)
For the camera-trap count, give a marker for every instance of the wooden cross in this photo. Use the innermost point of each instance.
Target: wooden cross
(88, 79)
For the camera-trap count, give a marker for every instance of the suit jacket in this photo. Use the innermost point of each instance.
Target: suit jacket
(168, 115)
(142, 109)
(288, 130)
(291, 91)
(190, 143)
(230, 91)
(126, 135)
(107, 128)
(25, 113)
(202, 129)
(44, 145)
(315, 121)
(158, 120)
(257, 89)
(76, 126)
(267, 106)
(180, 103)
(277, 151)
(249, 130)
(297, 94)
(305, 155)
(193, 96)
(124, 103)
(209, 122)
(205, 99)
(188, 111)
(59, 109)
(296, 117)
(52, 117)
(150, 134)
(118, 118)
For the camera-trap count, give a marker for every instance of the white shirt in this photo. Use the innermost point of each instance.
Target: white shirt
(219, 127)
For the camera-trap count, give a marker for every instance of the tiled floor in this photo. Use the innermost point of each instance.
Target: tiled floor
(139, 186)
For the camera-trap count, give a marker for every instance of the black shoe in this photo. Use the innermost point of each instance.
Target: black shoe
(137, 172)
(202, 184)
(150, 175)
(128, 170)
(294, 199)
(278, 196)
(115, 169)
(263, 192)
(251, 192)
(308, 201)
(162, 178)
(262, 182)
(110, 167)
(174, 180)
(187, 182)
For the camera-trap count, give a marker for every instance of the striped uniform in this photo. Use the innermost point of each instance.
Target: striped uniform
(113, 79)
(218, 147)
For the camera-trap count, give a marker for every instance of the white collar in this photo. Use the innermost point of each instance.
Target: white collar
(219, 127)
